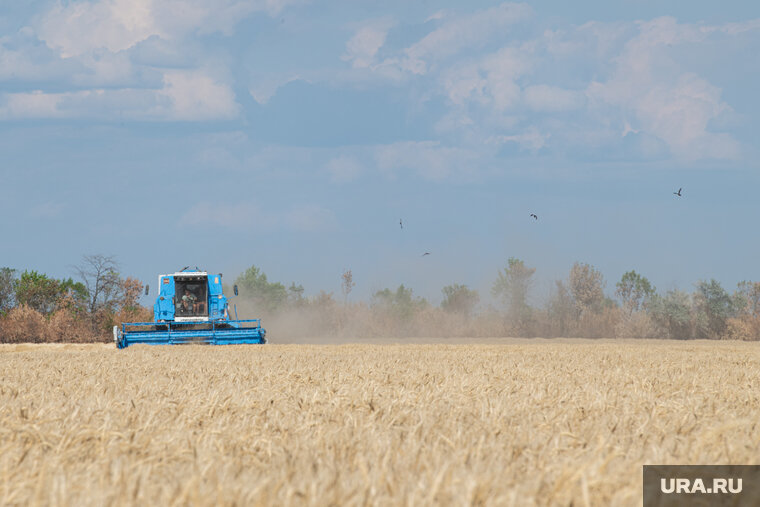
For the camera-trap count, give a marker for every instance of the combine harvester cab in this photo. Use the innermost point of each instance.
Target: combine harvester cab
(190, 308)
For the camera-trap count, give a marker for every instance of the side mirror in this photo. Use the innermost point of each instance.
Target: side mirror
(147, 289)
(234, 289)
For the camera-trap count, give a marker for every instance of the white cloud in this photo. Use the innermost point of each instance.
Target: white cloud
(680, 113)
(197, 96)
(455, 122)
(492, 80)
(468, 31)
(79, 27)
(185, 96)
(23, 58)
(736, 28)
(436, 16)
(642, 85)
(366, 42)
(76, 28)
(502, 70)
(656, 97)
(265, 87)
(464, 83)
(106, 69)
(139, 59)
(531, 139)
(627, 129)
(30, 105)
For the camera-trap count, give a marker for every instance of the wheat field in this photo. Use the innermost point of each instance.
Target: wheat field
(503, 423)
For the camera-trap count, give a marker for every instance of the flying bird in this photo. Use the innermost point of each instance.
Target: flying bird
(426, 253)
(401, 223)
(534, 216)
(678, 193)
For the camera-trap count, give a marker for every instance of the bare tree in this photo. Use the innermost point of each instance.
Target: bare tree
(101, 278)
(347, 285)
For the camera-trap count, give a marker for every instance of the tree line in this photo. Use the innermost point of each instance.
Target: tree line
(36, 307)
(578, 306)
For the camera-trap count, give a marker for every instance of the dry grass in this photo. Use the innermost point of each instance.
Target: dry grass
(543, 422)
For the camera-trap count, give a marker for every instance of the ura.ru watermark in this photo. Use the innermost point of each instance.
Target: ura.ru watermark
(715, 485)
(706, 485)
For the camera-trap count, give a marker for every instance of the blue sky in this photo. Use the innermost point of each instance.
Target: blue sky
(293, 135)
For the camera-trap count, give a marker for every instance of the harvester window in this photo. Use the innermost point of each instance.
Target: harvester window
(191, 298)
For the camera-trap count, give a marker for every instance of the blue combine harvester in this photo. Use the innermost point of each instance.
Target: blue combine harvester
(190, 308)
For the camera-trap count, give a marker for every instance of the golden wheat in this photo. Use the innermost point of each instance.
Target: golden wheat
(541, 422)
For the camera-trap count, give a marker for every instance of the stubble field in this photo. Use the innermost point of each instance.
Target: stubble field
(520, 422)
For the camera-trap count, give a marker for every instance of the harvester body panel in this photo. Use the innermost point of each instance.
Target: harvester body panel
(217, 303)
(164, 307)
(190, 308)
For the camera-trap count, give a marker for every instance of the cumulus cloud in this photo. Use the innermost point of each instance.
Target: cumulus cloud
(76, 28)
(616, 78)
(30, 105)
(197, 96)
(185, 96)
(641, 87)
(656, 97)
(472, 74)
(491, 80)
(124, 59)
(626, 78)
(24, 58)
(464, 83)
(469, 31)
(366, 42)
(79, 27)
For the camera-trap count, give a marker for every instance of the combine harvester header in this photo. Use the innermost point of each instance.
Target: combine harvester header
(190, 308)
